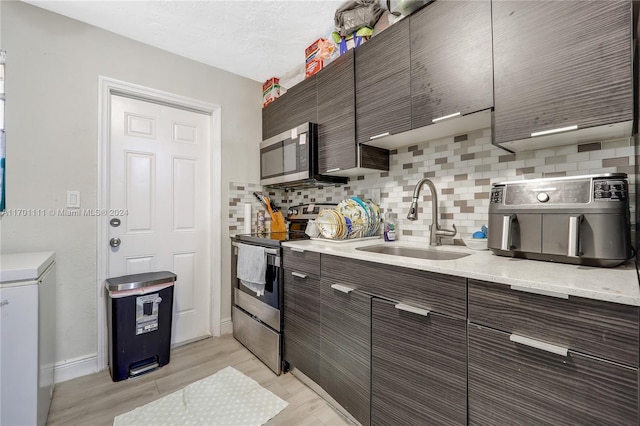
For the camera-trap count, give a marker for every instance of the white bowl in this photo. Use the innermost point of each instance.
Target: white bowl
(476, 243)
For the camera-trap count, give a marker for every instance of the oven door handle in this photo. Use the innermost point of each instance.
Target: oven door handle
(271, 251)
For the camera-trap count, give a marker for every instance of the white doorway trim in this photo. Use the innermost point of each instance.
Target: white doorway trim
(107, 87)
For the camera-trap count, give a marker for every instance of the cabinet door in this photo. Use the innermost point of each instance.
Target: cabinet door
(19, 354)
(267, 113)
(419, 370)
(562, 63)
(603, 329)
(510, 384)
(301, 260)
(451, 70)
(444, 294)
(302, 103)
(336, 115)
(346, 349)
(302, 322)
(383, 92)
(274, 118)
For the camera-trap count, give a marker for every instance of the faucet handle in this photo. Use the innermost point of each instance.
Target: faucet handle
(447, 232)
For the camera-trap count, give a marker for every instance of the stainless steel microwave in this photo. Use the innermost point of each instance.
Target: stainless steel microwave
(290, 160)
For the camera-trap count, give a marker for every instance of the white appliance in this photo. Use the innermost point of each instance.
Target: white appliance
(27, 337)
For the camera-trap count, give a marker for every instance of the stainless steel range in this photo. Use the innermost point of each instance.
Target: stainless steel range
(579, 219)
(257, 312)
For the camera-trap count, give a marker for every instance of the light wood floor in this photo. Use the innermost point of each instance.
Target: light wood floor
(96, 399)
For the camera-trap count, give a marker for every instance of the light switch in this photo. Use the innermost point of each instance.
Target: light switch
(73, 199)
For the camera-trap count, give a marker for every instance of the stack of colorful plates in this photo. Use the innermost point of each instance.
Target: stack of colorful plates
(332, 225)
(352, 218)
(374, 212)
(357, 214)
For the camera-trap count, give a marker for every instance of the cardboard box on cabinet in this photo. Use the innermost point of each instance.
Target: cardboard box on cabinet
(270, 91)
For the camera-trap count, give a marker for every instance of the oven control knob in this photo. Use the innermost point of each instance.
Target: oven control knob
(543, 197)
(293, 211)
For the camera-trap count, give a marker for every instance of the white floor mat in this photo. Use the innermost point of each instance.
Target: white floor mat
(225, 398)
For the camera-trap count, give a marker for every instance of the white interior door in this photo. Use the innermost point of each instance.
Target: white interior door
(160, 190)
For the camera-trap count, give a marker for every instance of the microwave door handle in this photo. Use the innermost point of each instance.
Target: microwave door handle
(574, 236)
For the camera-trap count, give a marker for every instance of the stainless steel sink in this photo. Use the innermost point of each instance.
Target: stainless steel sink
(413, 252)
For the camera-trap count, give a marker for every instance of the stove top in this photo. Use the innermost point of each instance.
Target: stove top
(297, 217)
(271, 239)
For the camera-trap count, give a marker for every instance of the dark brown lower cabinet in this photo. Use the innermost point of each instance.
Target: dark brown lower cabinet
(346, 349)
(418, 367)
(302, 323)
(513, 384)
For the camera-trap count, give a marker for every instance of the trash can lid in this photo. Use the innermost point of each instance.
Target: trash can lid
(131, 282)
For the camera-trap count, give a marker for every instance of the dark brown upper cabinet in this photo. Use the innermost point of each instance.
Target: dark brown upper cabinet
(299, 105)
(302, 103)
(558, 65)
(383, 88)
(451, 60)
(337, 147)
(274, 118)
(338, 151)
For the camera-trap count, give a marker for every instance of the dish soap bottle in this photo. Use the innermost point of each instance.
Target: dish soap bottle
(389, 226)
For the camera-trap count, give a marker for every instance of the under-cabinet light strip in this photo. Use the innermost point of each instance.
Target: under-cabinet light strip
(381, 135)
(552, 131)
(444, 117)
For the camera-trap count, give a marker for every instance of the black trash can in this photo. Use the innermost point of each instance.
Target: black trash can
(139, 312)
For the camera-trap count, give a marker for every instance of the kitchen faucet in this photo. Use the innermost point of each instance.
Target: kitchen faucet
(435, 234)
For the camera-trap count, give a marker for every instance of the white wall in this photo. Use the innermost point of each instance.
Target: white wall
(52, 122)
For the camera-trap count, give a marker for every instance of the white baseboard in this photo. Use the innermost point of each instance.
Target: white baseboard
(226, 326)
(72, 368)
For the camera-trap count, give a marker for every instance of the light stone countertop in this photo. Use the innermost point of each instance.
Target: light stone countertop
(618, 285)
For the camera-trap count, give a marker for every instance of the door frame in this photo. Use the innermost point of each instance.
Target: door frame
(107, 87)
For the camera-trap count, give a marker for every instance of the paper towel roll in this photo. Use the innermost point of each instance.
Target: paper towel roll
(247, 218)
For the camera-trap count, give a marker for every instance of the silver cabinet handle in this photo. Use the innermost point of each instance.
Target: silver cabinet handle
(412, 309)
(299, 275)
(547, 347)
(507, 222)
(342, 288)
(333, 170)
(574, 236)
(115, 242)
(540, 291)
(446, 117)
(381, 135)
(552, 131)
(297, 250)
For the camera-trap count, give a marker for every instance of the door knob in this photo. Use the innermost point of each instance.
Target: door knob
(114, 242)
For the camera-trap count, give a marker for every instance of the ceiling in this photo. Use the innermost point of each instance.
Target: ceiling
(257, 39)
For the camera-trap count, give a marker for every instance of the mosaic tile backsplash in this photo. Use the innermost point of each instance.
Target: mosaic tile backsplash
(462, 168)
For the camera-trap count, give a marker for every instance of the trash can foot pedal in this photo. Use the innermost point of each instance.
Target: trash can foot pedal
(145, 368)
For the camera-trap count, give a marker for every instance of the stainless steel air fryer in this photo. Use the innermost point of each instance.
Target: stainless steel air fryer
(578, 219)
